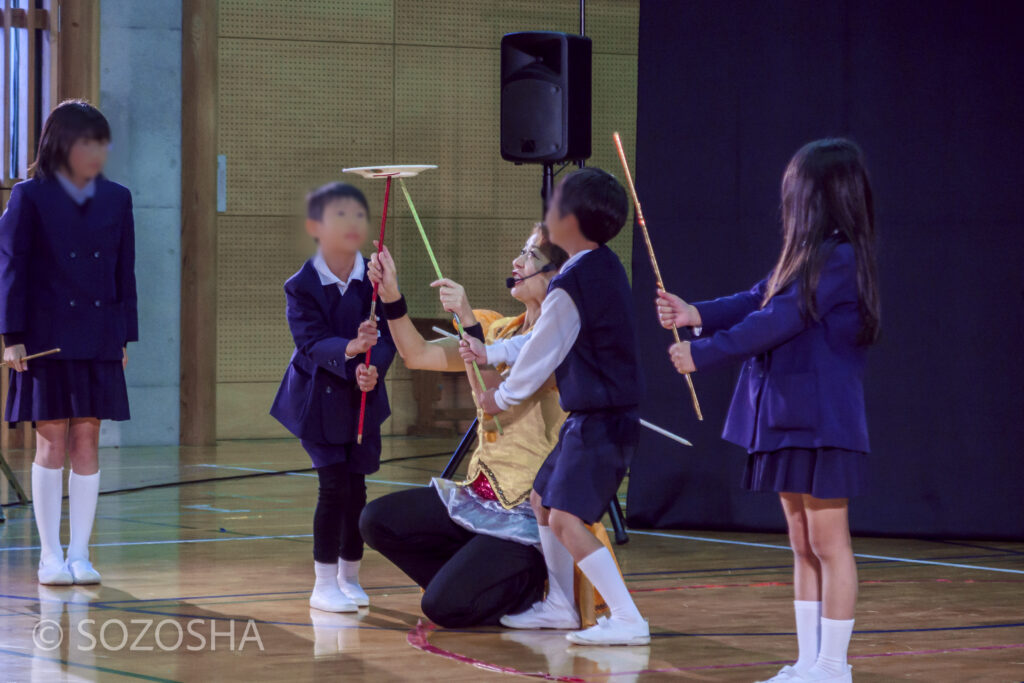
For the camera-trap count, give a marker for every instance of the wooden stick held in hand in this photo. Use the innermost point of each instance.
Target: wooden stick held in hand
(35, 355)
(650, 252)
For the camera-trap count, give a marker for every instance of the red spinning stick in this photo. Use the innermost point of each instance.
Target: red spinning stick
(373, 304)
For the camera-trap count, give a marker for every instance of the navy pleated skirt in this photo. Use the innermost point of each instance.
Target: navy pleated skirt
(821, 472)
(61, 389)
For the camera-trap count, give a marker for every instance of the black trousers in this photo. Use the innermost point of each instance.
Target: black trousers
(336, 520)
(468, 579)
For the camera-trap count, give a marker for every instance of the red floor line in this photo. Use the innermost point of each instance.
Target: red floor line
(418, 638)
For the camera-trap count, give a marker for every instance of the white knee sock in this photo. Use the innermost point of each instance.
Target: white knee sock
(83, 493)
(560, 569)
(47, 492)
(835, 639)
(599, 566)
(808, 632)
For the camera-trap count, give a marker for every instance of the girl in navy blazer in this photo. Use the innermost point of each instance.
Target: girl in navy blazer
(328, 312)
(67, 280)
(802, 334)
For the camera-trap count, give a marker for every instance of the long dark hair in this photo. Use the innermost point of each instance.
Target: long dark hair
(826, 200)
(70, 122)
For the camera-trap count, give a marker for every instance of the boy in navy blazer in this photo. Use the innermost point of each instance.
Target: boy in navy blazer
(328, 305)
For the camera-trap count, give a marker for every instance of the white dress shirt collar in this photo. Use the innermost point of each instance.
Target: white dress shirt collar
(573, 259)
(329, 278)
(79, 195)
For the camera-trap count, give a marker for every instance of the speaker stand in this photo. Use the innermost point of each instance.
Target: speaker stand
(547, 186)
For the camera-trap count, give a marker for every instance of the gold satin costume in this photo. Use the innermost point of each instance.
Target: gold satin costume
(510, 462)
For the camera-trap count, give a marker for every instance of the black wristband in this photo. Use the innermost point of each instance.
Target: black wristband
(475, 330)
(395, 309)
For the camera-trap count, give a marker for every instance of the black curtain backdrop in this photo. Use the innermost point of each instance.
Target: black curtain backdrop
(932, 91)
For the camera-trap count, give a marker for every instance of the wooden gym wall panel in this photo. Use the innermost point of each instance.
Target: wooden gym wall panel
(256, 255)
(309, 88)
(293, 114)
(611, 24)
(343, 21)
(482, 269)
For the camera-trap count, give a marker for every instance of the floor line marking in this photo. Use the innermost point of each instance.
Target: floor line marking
(305, 474)
(92, 667)
(773, 546)
(170, 542)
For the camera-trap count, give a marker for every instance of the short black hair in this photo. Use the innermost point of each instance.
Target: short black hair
(597, 200)
(324, 195)
(70, 122)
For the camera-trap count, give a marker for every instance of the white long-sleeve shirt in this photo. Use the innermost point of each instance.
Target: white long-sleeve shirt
(534, 356)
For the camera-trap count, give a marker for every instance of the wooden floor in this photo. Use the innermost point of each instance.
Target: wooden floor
(219, 543)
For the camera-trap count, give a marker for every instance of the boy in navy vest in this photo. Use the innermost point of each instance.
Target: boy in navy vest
(328, 310)
(586, 336)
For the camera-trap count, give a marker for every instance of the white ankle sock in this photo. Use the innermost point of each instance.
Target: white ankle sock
(599, 567)
(835, 640)
(326, 574)
(348, 572)
(83, 493)
(559, 562)
(808, 632)
(47, 492)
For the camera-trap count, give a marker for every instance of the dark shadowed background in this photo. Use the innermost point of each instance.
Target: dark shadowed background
(933, 94)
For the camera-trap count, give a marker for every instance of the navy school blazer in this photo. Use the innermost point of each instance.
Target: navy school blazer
(67, 272)
(318, 399)
(802, 381)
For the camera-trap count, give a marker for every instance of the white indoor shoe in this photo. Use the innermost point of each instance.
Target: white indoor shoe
(55, 574)
(543, 614)
(329, 598)
(786, 674)
(83, 572)
(354, 592)
(612, 631)
(815, 673)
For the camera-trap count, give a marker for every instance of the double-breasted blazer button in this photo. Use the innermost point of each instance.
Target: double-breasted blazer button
(97, 303)
(73, 255)
(328, 390)
(95, 254)
(72, 303)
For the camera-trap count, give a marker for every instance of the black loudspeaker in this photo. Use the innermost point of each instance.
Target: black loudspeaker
(545, 97)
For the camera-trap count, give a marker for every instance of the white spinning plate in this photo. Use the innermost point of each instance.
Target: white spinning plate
(397, 171)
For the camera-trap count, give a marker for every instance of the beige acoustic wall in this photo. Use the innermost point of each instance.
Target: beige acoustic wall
(308, 88)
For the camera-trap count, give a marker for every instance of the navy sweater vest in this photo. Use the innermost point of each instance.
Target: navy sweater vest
(602, 370)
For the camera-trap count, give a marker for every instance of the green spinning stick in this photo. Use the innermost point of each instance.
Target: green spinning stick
(437, 269)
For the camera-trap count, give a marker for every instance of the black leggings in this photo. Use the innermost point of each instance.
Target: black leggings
(336, 520)
(468, 579)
